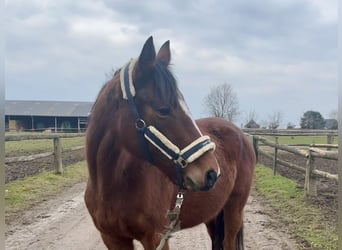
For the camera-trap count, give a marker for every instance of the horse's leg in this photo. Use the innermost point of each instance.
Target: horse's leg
(117, 243)
(151, 242)
(233, 226)
(239, 244)
(216, 231)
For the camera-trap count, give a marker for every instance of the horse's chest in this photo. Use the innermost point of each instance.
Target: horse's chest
(128, 217)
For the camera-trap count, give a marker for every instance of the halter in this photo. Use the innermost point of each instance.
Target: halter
(181, 157)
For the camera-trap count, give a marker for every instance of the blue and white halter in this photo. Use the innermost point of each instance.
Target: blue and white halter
(151, 134)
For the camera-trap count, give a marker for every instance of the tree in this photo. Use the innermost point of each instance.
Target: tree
(110, 74)
(222, 102)
(333, 114)
(290, 125)
(312, 120)
(275, 120)
(332, 122)
(263, 124)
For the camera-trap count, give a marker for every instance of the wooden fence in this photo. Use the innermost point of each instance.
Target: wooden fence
(309, 152)
(57, 148)
(290, 132)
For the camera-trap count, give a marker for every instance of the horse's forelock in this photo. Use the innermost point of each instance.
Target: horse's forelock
(165, 84)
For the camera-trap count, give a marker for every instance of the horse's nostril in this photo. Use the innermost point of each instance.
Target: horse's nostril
(211, 178)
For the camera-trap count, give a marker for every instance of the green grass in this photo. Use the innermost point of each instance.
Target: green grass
(28, 147)
(289, 201)
(24, 193)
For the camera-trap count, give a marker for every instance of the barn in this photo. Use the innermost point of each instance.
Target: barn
(48, 116)
(252, 124)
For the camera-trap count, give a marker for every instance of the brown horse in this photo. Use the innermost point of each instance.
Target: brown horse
(143, 147)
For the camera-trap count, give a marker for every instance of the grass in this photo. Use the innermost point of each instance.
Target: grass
(28, 147)
(289, 201)
(24, 193)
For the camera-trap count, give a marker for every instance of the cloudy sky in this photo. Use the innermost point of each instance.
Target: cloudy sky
(278, 55)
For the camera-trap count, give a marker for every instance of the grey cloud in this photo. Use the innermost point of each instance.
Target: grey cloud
(271, 41)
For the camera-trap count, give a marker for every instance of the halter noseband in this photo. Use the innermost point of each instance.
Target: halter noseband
(150, 134)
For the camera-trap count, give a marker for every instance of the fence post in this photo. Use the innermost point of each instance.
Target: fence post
(256, 147)
(310, 180)
(275, 156)
(330, 140)
(57, 155)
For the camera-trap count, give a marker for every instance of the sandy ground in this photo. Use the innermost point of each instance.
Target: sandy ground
(63, 223)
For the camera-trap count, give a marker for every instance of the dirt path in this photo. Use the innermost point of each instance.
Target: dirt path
(63, 223)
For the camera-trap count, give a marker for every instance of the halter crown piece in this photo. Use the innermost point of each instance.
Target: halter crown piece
(151, 134)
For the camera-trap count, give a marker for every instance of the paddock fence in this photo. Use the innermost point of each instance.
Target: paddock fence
(57, 148)
(308, 151)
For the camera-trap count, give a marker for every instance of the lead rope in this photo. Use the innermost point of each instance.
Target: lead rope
(173, 216)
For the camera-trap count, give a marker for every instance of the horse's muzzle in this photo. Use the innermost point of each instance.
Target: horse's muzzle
(210, 180)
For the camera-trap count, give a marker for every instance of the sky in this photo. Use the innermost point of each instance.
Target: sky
(279, 56)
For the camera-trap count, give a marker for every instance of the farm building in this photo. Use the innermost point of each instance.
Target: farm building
(252, 124)
(49, 116)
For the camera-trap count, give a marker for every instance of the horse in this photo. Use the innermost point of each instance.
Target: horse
(148, 157)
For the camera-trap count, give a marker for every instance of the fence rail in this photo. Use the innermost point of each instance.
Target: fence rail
(57, 148)
(41, 136)
(310, 152)
(290, 132)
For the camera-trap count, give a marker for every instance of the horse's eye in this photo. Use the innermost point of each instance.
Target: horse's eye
(164, 111)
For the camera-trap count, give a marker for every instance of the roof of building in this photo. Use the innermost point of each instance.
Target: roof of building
(252, 124)
(48, 108)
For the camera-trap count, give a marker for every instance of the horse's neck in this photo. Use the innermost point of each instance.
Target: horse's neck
(125, 173)
(130, 169)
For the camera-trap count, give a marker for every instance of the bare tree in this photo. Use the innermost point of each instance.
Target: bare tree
(333, 114)
(263, 124)
(110, 74)
(222, 102)
(290, 125)
(275, 120)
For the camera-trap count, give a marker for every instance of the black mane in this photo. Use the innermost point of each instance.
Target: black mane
(165, 84)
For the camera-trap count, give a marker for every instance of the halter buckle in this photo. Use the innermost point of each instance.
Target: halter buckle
(181, 162)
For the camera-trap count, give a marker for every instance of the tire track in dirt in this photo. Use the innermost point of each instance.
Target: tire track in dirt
(64, 223)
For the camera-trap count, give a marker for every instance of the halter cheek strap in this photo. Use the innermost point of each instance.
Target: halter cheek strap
(150, 134)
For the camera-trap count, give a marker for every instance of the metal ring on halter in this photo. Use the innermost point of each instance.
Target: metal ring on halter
(180, 195)
(140, 124)
(181, 162)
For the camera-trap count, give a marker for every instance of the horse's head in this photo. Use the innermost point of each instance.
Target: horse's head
(158, 123)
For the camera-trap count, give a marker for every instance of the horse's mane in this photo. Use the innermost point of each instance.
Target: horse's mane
(165, 84)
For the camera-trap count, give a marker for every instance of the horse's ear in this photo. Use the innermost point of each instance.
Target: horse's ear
(147, 55)
(164, 53)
